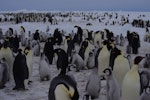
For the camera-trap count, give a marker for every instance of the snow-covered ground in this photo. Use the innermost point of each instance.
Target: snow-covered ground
(39, 90)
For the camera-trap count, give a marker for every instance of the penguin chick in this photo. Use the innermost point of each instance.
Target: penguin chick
(44, 69)
(93, 84)
(113, 89)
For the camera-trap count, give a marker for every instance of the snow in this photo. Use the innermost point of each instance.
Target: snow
(39, 90)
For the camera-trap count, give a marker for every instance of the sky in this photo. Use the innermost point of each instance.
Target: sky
(75, 5)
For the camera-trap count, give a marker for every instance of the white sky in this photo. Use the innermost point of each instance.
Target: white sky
(86, 5)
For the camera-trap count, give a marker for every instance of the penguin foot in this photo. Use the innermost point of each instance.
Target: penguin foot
(18, 88)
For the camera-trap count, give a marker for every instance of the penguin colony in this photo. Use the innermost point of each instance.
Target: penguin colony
(97, 51)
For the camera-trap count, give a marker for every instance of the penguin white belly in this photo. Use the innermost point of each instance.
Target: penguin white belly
(86, 55)
(131, 86)
(121, 67)
(44, 69)
(93, 87)
(30, 63)
(7, 54)
(61, 93)
(103, 60)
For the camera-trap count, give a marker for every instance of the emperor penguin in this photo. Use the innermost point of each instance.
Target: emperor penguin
(20, 71)
(63, 87)
(103, 56)
(44, 69)
(49, 49)
(98, 39)
(146, 94)
(91, 60)
(93, 85)
(29, 58)
(22, 35)
(6, 52)
(36, 49)
(120, 64)
(61, 58)
(4, 73)
(113, 88)
(85, 50)
(131, 85)
(77, 61)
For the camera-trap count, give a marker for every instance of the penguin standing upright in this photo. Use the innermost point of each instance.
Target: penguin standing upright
(61, 58)
(85, 50)
(20, 71)
(63, 86)
(93, 85)
(131, 85)
(5, 52)
(29, 57)
(4, 73)
(113, 88)
(77, 60)
(44, 69)
(103, 56)
(119, 64)
(49, 49)
(146, 94)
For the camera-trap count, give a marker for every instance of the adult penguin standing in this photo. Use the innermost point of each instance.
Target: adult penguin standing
(103, 56)
(29, 57)
(49, 49)
(62, 87)
(79, 35)
(20, 71)
(119, 64)
(131, 85)
(5, 52)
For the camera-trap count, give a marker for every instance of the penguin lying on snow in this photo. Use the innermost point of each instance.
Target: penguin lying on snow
(113, 89)
(4, 73)
(20, 71)
(63, 87)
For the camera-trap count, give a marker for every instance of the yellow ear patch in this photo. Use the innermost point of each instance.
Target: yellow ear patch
(26, 51)
(70, 92)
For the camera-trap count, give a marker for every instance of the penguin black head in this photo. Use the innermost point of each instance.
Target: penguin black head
(62, 60)
(107, 71)
(138, 59)
(147, 56)
(19, 50)
(26, 50)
